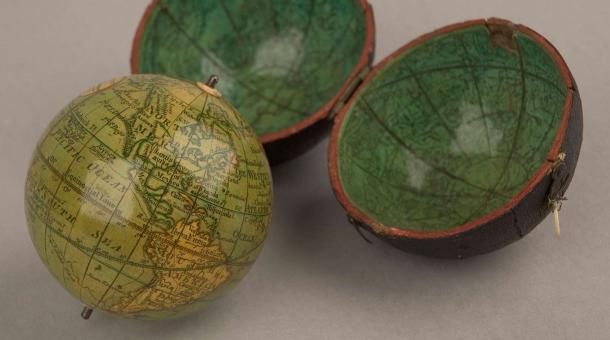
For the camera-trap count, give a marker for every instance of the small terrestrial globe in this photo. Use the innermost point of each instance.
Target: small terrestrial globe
(147, 197)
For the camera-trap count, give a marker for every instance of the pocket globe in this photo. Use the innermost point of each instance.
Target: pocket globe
(147, 197)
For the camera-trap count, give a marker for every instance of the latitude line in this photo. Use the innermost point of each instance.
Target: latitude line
(407, 189)
(87, 251)
(155, 177)
(501, 113)
(461, 66)
(134, 280)
(439, 196)
(105, 209)
(137, 280)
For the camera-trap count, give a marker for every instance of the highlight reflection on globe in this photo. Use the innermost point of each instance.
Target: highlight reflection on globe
(148, 196)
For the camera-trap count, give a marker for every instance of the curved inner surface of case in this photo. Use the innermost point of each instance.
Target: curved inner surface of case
(279, 61)
(451, 129)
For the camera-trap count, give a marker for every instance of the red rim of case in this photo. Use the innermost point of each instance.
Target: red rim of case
(544, 169)
(324, 111)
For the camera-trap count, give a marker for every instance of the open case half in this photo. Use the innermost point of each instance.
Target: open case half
(457, 144)
(285, 65)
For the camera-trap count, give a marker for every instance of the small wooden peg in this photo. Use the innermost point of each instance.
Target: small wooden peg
(555, 208)
(557, 225)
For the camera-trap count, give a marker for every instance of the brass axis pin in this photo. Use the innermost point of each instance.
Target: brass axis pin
(86, 313)
(210, 86)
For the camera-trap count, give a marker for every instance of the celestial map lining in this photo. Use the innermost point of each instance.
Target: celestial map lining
(276, 72)
(450, 130)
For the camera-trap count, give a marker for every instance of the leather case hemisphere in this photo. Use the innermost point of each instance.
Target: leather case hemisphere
(284, 64)
(457, 144)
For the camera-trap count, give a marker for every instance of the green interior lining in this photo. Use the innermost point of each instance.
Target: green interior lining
(279, 61)
(450, 130)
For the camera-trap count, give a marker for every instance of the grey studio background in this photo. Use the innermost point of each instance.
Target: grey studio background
(316, 277)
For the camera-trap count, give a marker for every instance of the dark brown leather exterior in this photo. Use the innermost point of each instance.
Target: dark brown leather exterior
(516, 223)
(295, 145)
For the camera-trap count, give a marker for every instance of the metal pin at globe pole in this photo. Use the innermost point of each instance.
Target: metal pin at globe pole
(86, 313)
(212, 81)
(210, 86)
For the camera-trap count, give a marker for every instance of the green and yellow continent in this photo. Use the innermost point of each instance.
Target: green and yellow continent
(148, 197)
